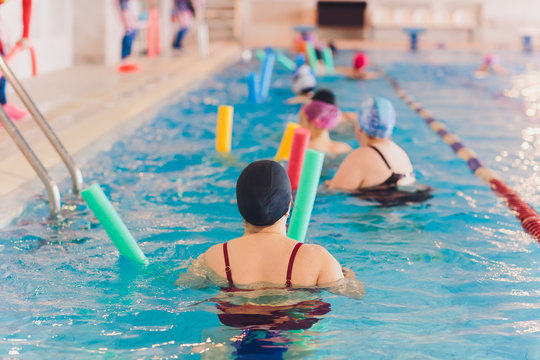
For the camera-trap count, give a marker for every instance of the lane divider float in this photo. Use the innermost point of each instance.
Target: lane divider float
(527, 215)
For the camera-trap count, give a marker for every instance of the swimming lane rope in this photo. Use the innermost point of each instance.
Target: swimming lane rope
(529, 218)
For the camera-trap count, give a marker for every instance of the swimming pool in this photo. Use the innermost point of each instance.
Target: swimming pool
(455, 277)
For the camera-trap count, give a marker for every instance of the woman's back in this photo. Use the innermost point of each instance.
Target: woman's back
(379, 161)
(266, 258)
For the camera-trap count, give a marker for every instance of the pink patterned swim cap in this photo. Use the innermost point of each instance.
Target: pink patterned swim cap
(321, 114)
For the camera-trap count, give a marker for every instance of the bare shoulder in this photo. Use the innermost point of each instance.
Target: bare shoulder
(213, 256)
(315, 251)
(403, 162)
(330, 269)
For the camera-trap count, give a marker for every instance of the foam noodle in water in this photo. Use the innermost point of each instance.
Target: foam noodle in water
(113, 225)
(305, 196)
(224, 128)
(266, 74)
(260, 55)
(299, 145)
(312, 56)
(253, 87)
(285, 61)
(284, 151)
(328, 58)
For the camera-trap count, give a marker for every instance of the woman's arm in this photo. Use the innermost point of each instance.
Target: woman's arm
(330, 267)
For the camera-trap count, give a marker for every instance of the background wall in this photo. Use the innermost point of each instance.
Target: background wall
(502, 20)
(68, 32)
(50, 30)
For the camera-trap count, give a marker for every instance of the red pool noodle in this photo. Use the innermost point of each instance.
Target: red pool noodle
(298, 150)
(27, 13)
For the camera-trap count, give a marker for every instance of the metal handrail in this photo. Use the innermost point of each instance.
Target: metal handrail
(50, 185)
(75, 172)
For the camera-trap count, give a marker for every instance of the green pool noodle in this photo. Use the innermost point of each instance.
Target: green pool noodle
(113, 225)
(312, 56)
(285, 61)
(328, 58)
(305, 195)
(260, 54)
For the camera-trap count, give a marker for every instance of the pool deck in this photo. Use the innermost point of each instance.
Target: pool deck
(84, 103)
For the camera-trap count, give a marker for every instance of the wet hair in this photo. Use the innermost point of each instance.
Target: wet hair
(326, 96)
(263, 192)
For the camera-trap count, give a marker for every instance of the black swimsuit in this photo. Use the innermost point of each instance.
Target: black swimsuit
(395, 177)
(388, 193)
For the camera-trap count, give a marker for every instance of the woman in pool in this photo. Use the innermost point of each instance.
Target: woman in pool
(378, 162)
(303, 82)
(490, 64)
(320, 116)
(264, 254)
(359, 71)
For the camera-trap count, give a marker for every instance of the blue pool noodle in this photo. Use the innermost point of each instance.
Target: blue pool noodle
(253, 87)
(266, 76)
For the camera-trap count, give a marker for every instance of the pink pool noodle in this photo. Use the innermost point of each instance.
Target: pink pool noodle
(298, 150)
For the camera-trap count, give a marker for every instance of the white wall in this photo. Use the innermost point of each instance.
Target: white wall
(50, 31)
(502, 20)
(505, 21)
(66, 32)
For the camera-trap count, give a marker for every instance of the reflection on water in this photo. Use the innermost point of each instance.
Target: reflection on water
(456, 267)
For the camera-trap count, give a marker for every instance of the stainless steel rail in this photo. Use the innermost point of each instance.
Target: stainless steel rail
(75, 172)
(50, 185)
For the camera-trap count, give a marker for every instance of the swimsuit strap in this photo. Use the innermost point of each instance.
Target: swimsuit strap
(381, 155)
(227, 265)
(291, 262)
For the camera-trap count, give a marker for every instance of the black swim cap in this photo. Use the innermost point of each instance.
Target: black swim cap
(326, 96)
(263, 192)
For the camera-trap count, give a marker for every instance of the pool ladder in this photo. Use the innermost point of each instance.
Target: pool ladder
(51, 187)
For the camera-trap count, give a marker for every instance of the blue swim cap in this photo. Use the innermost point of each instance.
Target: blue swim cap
(377, 117)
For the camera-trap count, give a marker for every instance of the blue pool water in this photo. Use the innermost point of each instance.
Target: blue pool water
(455, 277)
